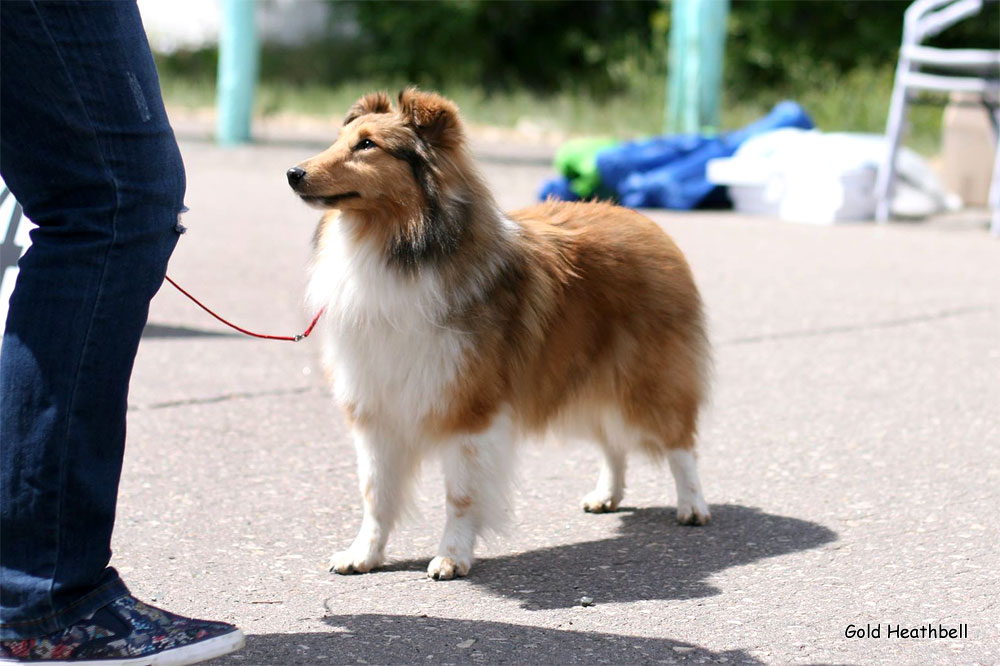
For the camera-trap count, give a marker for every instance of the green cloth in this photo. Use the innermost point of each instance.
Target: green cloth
(577, 160)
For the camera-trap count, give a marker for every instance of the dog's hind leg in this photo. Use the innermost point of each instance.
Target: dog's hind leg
(385, 473)
(610, 489)
(691, 506)
(478, 470)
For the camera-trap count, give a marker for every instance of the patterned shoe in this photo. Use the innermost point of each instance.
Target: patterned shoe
(127, 632)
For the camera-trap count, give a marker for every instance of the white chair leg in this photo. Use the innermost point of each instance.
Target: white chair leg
(995, 195)
(894, 134)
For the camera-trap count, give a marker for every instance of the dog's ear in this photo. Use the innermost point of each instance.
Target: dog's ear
(433, 117)
(376, 102)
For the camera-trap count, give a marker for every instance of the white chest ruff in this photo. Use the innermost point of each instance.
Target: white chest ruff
(383, 339)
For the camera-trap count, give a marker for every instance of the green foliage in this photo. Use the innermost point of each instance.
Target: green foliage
(197, 66)
(596, 47)
(794, 45)
(599, 47)
(542, 46)
(593, 65)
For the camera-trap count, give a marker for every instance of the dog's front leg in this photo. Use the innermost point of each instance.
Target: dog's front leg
(477, 471)
(385, 474)
(611, 484)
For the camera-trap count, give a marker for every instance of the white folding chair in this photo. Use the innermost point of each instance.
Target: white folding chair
(964, 70)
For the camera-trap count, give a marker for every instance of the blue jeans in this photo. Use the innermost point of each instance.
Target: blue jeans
(86, 147)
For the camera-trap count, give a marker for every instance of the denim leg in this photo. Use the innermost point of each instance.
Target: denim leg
(86, 147)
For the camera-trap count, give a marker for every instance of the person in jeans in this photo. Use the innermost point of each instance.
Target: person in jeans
(86, 148)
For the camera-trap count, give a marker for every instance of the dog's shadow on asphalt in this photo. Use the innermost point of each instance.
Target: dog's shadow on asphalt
(652, 557)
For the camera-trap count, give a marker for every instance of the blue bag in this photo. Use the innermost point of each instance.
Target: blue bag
(669, 171)
(663, 177)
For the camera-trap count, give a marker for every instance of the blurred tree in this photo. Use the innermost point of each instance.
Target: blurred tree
(784, 44)
(594, 46)
(544, 46)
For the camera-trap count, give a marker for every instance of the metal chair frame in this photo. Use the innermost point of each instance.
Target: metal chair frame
(955, 70)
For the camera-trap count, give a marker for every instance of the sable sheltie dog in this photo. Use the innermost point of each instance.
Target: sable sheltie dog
(454, 329)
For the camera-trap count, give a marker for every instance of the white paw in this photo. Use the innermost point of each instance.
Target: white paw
(693, 512)
(351, 562)
(600, 501)
(443, 567)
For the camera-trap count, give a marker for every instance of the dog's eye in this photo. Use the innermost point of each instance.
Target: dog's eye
(365, 144)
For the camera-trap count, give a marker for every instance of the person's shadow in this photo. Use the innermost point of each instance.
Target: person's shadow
(400, 639)
(652, 557)
(153, 330)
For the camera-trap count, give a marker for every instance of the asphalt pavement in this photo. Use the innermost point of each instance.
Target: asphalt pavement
(851, 457)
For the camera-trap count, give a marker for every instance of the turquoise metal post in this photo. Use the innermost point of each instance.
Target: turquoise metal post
(238, 54)
(694, 79)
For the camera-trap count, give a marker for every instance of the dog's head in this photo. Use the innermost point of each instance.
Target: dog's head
(384, 157)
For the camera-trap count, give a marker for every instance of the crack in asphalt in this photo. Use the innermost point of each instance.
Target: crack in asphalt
(225, 397)
(751, 339)
(856, 328)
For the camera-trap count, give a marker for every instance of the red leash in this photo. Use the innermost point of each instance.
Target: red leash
(243, 330)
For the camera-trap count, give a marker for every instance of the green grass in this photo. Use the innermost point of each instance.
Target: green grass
(856, 102)
(636, 113)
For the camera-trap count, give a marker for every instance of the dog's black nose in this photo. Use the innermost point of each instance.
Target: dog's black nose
(295, 175)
